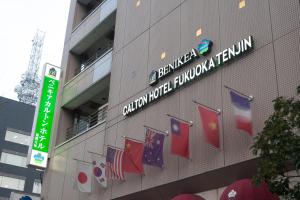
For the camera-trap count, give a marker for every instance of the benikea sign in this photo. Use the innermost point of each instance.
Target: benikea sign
(41, 134)
(195, 72)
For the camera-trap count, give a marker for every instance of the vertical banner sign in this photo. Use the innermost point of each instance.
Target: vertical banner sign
(43, 123)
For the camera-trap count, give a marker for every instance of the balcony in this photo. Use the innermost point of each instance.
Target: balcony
(88, 122)
(98, 54)
(92, 82)
(94, 26)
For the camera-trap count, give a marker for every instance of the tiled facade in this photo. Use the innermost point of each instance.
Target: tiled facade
(142, 33)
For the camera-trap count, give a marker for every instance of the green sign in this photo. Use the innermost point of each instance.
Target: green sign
(44, 118)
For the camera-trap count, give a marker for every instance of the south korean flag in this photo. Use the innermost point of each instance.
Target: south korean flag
(99, 169)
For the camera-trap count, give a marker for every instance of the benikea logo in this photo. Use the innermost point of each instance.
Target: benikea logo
(52, 72)
(38, 158)
(203, 49)
(153, 78)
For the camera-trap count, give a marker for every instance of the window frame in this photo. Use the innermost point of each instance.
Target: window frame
(27, 137)
(21, 180)
(40, 186)
(24, 157)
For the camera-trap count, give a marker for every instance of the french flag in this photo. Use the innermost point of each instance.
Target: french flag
(242, 111)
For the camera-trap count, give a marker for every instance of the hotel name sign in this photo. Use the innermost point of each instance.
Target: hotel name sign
(195, 72)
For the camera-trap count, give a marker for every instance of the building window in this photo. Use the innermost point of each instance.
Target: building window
(13, 159)
(198, 32)
(15, 137)
(12, 183)
(242, 4)
(163, 55)
(138, 2)
(37, 187)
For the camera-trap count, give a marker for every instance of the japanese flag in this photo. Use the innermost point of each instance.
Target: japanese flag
(99, 169)
(83, 177)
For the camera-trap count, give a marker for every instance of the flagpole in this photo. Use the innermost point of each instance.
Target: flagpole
(218, 111)
(188, 122)
(250, 97)
(99, 154)
(81, 161)
(114, 147)
(135, 140)
(163, 132)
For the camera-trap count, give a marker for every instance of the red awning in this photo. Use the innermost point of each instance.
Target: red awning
(187, 197)
(245, 190)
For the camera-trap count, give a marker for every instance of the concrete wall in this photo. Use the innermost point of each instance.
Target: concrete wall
(142, 33)
(60, 179)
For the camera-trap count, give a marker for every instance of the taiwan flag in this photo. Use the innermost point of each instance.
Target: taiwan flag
(210, 125)
(180, 138)
(133, 154)
(242, 111)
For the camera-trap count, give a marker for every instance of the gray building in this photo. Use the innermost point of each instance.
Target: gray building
(15, 129)
(111, 47)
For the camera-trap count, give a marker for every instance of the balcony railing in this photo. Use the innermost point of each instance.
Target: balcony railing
(92, 120)
(93, 26)
(97, 55)
(96, 71)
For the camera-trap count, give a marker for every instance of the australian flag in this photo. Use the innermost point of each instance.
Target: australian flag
(153, 150)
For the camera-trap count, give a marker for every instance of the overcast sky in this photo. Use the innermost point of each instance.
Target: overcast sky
(19, 21)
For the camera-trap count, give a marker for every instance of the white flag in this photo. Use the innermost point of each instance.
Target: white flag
(84, 177)
(99, 169)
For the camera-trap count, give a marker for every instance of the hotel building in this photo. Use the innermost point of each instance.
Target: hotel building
(113, 46)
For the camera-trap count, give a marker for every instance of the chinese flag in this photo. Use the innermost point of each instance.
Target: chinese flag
(180, 138)
(210, 125)
(132, 158)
